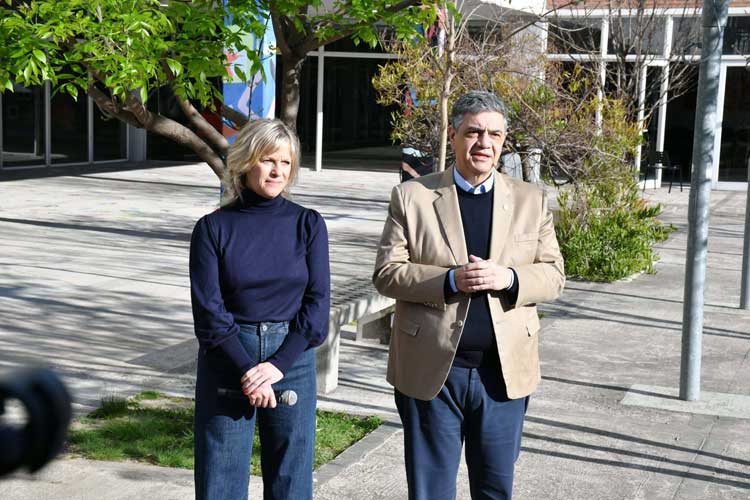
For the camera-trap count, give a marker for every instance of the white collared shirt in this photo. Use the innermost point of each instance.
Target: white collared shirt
(484, 187)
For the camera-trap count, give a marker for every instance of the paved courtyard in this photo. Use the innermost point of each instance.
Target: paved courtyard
(93, 283)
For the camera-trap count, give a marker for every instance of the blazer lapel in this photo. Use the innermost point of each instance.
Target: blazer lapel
(449, 216)
(502, 215)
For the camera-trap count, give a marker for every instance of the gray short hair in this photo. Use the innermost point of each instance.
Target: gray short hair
(474, 102)
(256, 139)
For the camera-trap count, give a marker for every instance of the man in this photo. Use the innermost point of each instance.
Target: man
(467, 253)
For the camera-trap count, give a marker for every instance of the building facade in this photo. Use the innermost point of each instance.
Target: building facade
(669, 52)
(338, 110)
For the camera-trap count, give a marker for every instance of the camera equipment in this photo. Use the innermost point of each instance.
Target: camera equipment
(47, 407)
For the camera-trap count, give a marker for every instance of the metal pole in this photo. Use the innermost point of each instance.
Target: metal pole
(744, 293)
(714, 21)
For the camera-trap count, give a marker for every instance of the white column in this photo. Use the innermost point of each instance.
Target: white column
(90, 126)
(319, 111)
(641, 113)
(661, 125)
(714, 174)
(137, 144)
(1, 130)
(47, 106)
(541, 32)
(603, 40)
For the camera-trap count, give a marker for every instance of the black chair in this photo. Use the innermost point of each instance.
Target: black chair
(659, 160)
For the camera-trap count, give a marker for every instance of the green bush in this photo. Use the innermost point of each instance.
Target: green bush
(607, 231)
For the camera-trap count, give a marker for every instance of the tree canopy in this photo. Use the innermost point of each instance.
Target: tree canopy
(117, 51)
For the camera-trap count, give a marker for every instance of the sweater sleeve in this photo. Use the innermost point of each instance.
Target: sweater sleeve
(214, 325)
(512, 291)
(309, 328)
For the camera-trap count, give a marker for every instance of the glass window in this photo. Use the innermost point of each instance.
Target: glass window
(23, 126)
(621, 80)
(162, 101)
(629, 35)
(574, 36)
(69, 129)
(361, 124)
(680, 119)
(737, 36)
(110, 139)
(686, 36)
(735, 127)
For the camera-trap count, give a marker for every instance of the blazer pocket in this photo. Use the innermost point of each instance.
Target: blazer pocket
(533, 326)
(526, 237)
(408, 327)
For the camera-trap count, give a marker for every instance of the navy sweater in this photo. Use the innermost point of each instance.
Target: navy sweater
(478, 338)
(260, 260)
(477, 345)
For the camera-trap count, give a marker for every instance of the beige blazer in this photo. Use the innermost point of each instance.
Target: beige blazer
(422, 239)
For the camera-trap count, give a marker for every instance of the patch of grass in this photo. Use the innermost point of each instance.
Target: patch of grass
(128, 430)
(148, 395)
(112, 406)
(154, 435)
(337, 431)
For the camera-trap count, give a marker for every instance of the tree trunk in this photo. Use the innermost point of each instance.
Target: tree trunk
(186, 137)
(448, 74)
(444, 124)
(136, 114)
(203, 127)
(290, 84)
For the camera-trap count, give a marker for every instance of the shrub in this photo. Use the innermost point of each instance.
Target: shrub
(607, 231)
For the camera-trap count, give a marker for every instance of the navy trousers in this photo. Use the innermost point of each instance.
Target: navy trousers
(472, 407)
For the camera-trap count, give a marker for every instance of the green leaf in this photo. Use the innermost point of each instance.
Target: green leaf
(144, 94)
(174, 66)
(72, 90)
(40, 56)
(453, 11)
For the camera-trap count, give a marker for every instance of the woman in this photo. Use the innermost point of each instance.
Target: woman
(260, 289)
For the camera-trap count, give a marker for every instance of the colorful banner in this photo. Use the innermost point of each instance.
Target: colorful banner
(256, 98)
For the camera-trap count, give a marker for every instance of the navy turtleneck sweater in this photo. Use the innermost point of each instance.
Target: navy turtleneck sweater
(256, 260)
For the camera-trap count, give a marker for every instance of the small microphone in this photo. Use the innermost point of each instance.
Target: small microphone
(286, 397)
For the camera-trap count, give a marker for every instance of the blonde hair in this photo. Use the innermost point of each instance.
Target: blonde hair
(256, 139)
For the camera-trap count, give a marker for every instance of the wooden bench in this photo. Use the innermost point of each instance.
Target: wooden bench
(352, 300)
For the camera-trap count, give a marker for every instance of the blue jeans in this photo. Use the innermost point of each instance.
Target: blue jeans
(224, 425)
(471, 406)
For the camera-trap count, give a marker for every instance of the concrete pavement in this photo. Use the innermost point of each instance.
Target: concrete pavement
(93, 283)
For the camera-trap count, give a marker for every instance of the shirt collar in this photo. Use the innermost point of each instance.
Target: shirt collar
(484, 187)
